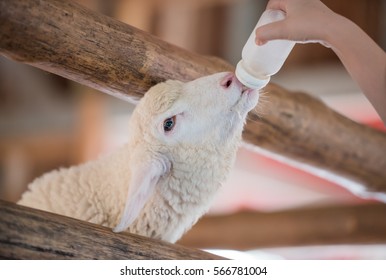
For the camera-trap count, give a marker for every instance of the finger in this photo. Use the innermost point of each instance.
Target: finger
(271, 31)
(276, 5)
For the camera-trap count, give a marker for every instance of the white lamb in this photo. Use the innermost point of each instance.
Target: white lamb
(182, 145)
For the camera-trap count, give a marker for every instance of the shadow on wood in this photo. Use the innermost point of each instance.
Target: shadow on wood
(27, 233)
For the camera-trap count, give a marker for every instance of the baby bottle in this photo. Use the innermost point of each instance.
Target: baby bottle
(259, 63)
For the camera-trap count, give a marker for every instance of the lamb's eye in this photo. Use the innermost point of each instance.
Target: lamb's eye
(169, 124)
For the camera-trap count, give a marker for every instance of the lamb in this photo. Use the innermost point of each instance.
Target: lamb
(182, 144)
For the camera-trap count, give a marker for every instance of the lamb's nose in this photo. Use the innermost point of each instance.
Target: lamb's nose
(228, 80)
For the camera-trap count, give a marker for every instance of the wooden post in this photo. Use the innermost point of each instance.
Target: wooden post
(64, 38)
(27, 233)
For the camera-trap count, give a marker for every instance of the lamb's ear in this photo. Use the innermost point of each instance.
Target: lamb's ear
(144, 178)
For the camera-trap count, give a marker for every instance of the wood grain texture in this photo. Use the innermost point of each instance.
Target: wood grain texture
(27, 233)
(361, 224)
(64, 38)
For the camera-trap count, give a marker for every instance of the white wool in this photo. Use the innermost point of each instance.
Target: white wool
(161, 182)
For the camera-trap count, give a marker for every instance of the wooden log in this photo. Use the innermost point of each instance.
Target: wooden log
(64, 38)
(27, 233)
(361, 224)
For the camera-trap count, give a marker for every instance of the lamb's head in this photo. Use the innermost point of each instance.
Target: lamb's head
(208, 110)
(175, 118)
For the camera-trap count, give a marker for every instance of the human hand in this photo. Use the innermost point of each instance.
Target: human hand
(306, 21)
(312, 21)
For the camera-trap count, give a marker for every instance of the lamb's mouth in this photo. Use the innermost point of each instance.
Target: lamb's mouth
(246, 90)
(248, 99)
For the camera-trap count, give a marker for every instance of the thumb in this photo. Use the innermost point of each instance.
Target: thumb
(271, 31)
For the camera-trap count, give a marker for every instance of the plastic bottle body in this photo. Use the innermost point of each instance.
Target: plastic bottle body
(259, 63)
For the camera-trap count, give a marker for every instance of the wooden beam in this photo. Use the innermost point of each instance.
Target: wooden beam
(361, 224)
(64, 38)
(27, 233)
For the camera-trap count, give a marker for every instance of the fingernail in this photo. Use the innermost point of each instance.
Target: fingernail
(259, 42)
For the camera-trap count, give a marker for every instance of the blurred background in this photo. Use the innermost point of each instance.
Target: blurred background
(47, 121)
